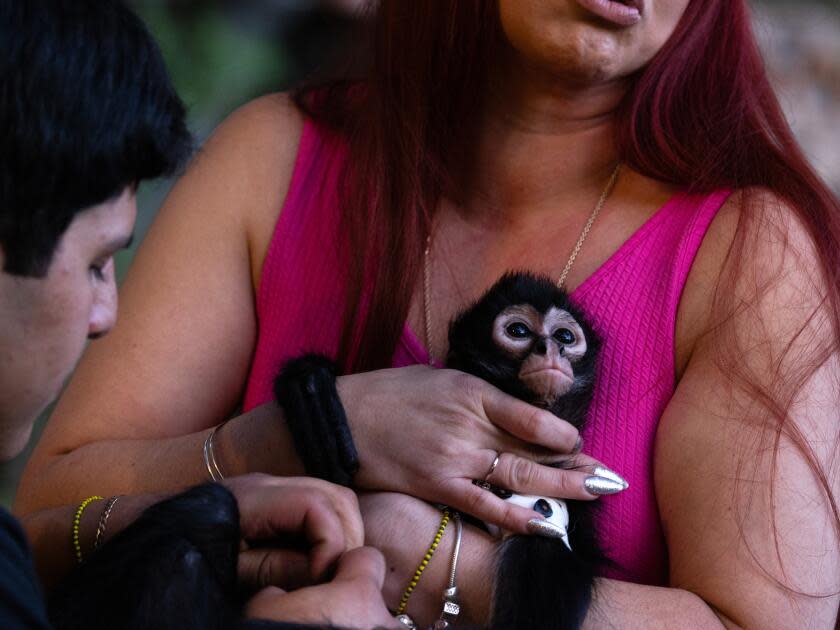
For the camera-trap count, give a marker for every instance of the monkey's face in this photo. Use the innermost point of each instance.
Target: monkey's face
(526, 337)
(546, 345)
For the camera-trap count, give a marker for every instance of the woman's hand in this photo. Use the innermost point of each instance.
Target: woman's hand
(313, 520)
(429, 433)
(352, 599)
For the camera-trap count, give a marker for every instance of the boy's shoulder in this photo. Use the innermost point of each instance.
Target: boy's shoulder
(21, 602)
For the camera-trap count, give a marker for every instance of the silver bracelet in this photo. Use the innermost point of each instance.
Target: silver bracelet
(103, 521)
(451, 607)
(210, 455)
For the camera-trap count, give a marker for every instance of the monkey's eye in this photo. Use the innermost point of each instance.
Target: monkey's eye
(518, 330)
(565, 336)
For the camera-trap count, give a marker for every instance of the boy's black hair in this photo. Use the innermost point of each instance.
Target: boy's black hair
(86, 109)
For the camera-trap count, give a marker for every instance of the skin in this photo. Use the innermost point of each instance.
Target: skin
(544, 154)
(44, 322)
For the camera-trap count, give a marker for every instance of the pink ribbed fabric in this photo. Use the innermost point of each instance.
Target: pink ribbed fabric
(632, 301)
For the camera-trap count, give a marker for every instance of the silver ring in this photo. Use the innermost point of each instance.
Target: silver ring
(492, 467)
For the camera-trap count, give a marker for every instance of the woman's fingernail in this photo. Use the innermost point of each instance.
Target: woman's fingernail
(540, 527)
(600, 486)
(601, 471)
(578, 446)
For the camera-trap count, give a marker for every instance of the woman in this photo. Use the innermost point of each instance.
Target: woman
(489, 130)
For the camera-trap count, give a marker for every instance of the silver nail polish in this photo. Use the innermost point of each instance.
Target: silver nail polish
(601, 471)
(578, 446)
(601, 486)
(540, 527)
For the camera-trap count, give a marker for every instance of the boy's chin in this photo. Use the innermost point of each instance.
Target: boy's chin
(14, 441)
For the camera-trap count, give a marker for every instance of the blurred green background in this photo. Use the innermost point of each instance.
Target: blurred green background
(222, 53)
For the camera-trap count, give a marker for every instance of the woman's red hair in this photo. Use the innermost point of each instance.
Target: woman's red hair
(702, 115)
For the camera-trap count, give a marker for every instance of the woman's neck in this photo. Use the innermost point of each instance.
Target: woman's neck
(542, 144)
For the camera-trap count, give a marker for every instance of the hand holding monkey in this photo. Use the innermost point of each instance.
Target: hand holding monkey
(429, 433)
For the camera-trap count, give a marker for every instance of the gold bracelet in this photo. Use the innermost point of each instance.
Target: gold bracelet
(423, 564)
(100, 529)
(77, 519)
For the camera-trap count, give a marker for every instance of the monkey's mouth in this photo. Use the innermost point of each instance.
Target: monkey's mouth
(548, 383)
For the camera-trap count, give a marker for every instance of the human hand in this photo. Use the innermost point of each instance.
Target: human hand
(353, 598)
(429, 433)
(315, 522)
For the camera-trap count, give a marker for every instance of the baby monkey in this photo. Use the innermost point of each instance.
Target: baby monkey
(525, 337)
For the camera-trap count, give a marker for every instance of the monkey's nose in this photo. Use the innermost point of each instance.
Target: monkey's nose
(540, 347)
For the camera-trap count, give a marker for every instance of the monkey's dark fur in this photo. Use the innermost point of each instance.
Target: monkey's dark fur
(540, 583)
(172, 569)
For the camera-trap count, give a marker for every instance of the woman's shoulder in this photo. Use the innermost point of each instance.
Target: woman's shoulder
(254, 151)
(757, 251)
(269, 122)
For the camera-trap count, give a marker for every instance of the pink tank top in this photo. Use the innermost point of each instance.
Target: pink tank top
(631, 300)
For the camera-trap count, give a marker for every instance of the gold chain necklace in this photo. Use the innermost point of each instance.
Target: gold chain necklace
(427, 300)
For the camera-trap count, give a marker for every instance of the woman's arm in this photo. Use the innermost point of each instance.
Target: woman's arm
(751, 537)
(749, 526)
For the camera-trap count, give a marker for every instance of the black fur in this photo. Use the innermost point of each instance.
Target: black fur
(540, 583)
(471, 347)
(305, 389)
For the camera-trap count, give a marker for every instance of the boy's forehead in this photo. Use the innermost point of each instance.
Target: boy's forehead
(110, 224)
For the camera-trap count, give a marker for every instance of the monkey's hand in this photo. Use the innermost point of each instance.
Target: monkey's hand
(353, 599)
(430, 433)
(293, 529)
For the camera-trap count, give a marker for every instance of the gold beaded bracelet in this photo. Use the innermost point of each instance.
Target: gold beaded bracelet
(77, 519)
(423, 564)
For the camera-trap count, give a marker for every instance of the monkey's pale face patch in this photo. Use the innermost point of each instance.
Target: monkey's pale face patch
(548, 344)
